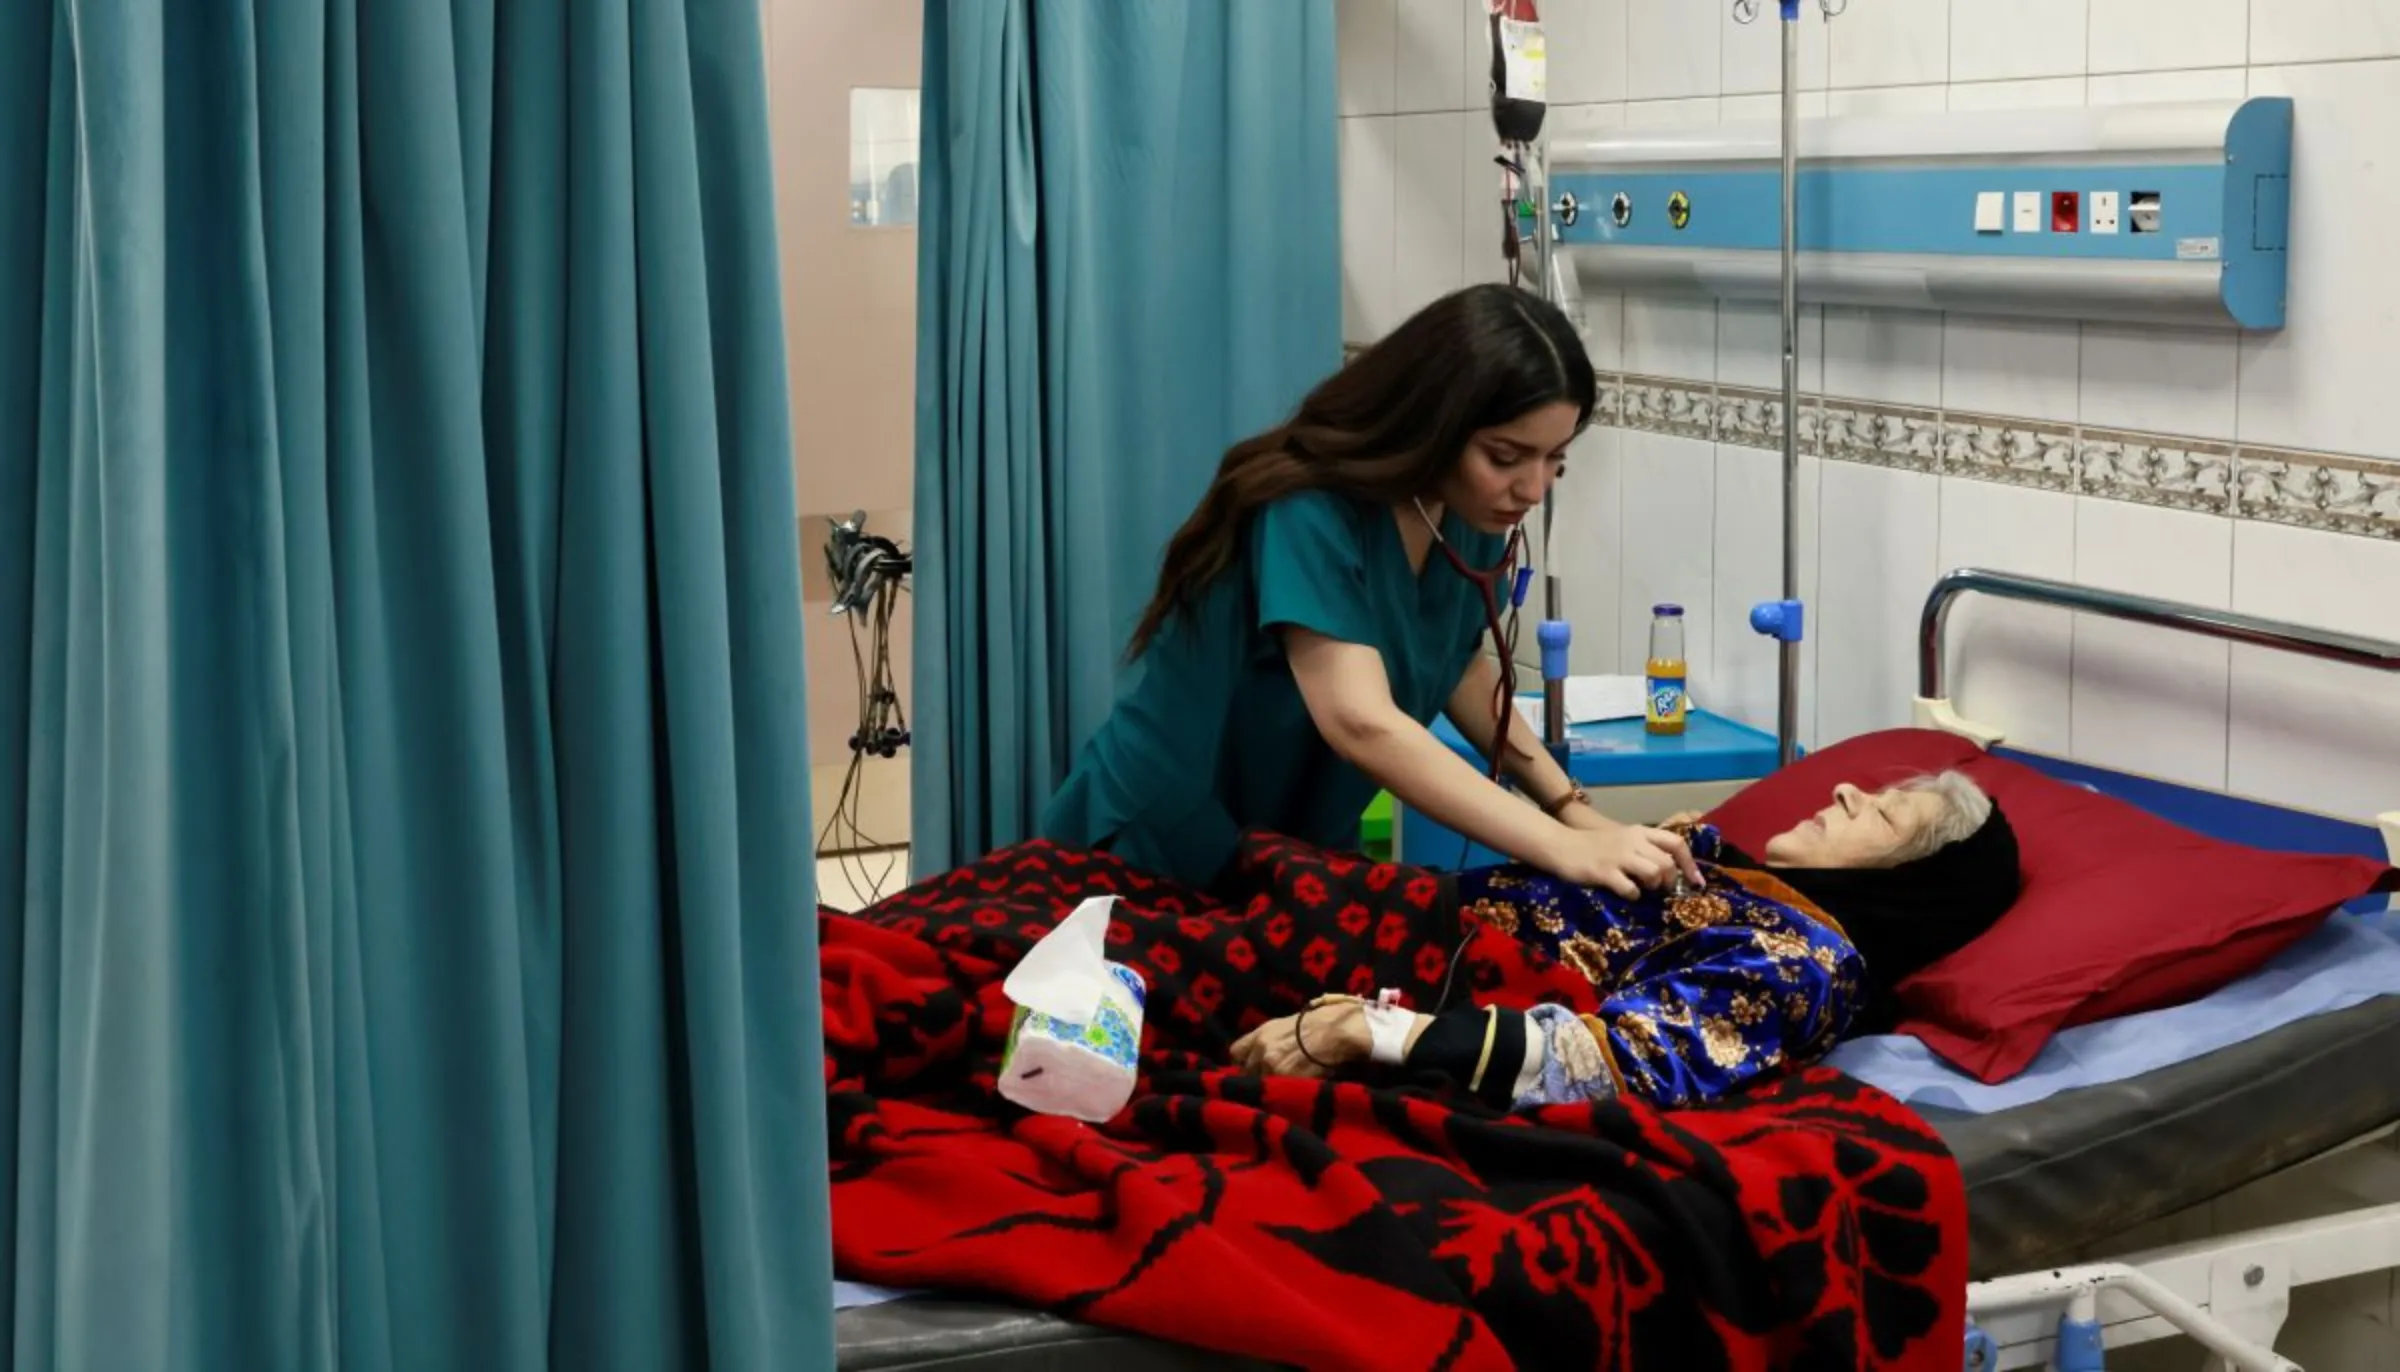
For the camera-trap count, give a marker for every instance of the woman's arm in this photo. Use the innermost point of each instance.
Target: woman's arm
(1526, 758)
(1349, 698)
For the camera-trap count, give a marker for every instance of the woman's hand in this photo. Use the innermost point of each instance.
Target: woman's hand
(1337, 1037)
(1625, 859)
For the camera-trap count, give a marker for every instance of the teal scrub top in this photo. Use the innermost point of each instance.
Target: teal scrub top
(1213, 738)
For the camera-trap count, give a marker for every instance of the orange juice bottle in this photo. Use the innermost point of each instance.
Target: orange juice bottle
(1666, 673)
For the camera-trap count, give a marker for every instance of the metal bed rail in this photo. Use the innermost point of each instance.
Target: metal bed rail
(2354, 649)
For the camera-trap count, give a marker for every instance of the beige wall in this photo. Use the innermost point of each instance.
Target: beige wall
(849, 305)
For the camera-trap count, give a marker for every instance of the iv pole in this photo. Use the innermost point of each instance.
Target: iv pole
(1784, 620)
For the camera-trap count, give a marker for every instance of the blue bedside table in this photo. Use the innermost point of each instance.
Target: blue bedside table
(1630, 774)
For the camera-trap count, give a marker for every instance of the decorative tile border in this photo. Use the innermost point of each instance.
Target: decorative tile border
(2342, 495)
(2155, 469)
(2330, 492)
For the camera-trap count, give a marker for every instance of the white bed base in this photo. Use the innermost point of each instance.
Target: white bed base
(2230, 1294)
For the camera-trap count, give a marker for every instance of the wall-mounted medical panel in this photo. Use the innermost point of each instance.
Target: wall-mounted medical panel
(2168, 214)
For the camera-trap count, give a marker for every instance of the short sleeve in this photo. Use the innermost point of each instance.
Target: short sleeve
(1310, 569)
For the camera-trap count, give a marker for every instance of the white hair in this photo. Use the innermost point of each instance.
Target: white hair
(1964, 810)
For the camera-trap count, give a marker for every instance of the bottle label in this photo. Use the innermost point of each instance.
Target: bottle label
(1666, 698)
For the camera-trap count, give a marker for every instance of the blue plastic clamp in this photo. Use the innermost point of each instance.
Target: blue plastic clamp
(1554, 635)
(2079, 1347)
(1983, 1354)
(1784, 620)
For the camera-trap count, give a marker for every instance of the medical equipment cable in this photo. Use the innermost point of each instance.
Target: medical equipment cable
(869, 575)
(843, 836)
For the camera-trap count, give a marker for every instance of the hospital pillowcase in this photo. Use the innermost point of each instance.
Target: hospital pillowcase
(2122, 911)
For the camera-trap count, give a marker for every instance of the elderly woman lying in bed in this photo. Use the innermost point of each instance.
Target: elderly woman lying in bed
(1700, 991)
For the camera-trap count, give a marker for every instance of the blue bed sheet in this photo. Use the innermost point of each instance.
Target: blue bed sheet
(2352, 959)
(849, 1295)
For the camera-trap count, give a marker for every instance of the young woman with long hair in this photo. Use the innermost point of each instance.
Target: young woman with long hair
(1322, 606)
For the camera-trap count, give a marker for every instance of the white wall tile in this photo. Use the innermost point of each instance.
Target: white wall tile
(1370, 303)
(2045, 93)
(1753, 52)
(2152, 701)
(1364, 34)
(1699, 111)
(1583, 121)
(2010, 664)
(2167, 87)
(1879, 539)
(1669, 537)
(1890, 100)
(1486, 227)
(2169, 35)
(1587, 51)
(1894, 356)
(1673, 49)
(2322, 381)
(1745, 677)
(2305, 733)
(1666, 336)
(2161, 380)
(1891, 43)
(1429, 221)
(1589, 560)
(1429, 58)
(1750, 346)
(1768, 109)
(2018, 39)
(2322, 30)
(2028, 368)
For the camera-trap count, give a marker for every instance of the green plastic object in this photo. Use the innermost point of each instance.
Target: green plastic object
(1375, 828)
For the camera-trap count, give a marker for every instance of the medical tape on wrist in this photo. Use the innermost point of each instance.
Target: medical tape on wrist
(1388, 1023)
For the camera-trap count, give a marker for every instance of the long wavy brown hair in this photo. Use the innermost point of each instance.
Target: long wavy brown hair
(1387, 427)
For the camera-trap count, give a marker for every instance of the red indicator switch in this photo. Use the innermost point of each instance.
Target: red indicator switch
(2066, 212)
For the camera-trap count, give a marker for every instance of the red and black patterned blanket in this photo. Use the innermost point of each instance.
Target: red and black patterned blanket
(1816, 1224)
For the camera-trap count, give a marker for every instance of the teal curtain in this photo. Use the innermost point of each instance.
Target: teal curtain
(1129, 257)
(409, 943)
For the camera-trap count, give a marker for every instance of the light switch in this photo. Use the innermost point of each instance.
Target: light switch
(1990, 209)
(2029, 211)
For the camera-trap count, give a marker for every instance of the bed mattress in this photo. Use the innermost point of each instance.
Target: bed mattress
(2042, 1180)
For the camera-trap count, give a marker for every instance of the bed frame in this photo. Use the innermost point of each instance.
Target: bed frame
(2232, 1293)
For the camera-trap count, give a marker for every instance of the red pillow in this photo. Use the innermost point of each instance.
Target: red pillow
(2121, 911)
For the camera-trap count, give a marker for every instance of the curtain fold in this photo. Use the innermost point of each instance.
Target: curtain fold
(1129, 257)
(402, 756)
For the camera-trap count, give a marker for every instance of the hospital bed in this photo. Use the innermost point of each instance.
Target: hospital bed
(2119, 1125)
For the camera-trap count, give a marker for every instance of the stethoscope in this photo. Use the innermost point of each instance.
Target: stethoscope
(1512, 575)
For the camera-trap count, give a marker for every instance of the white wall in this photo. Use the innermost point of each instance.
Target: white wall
(2260, 472)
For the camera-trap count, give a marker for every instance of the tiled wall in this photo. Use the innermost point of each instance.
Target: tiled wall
(2258, 472)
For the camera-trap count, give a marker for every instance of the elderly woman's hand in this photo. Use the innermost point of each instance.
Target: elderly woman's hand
(1337, 1037)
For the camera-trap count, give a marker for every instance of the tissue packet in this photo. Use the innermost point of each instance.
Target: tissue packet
(1074, 1046)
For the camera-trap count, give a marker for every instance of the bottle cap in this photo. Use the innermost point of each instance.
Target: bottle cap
(1667, 611)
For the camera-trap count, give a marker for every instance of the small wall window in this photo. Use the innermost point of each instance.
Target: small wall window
(883, 158)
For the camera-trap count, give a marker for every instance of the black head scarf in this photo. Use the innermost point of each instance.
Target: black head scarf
(1904, 919)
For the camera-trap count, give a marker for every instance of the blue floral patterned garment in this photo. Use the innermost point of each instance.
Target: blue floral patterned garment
(1700, 992)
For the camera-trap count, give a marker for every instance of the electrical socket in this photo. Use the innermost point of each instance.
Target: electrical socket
(2106, 206)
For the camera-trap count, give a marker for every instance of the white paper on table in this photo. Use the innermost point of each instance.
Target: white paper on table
(1595, 700)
